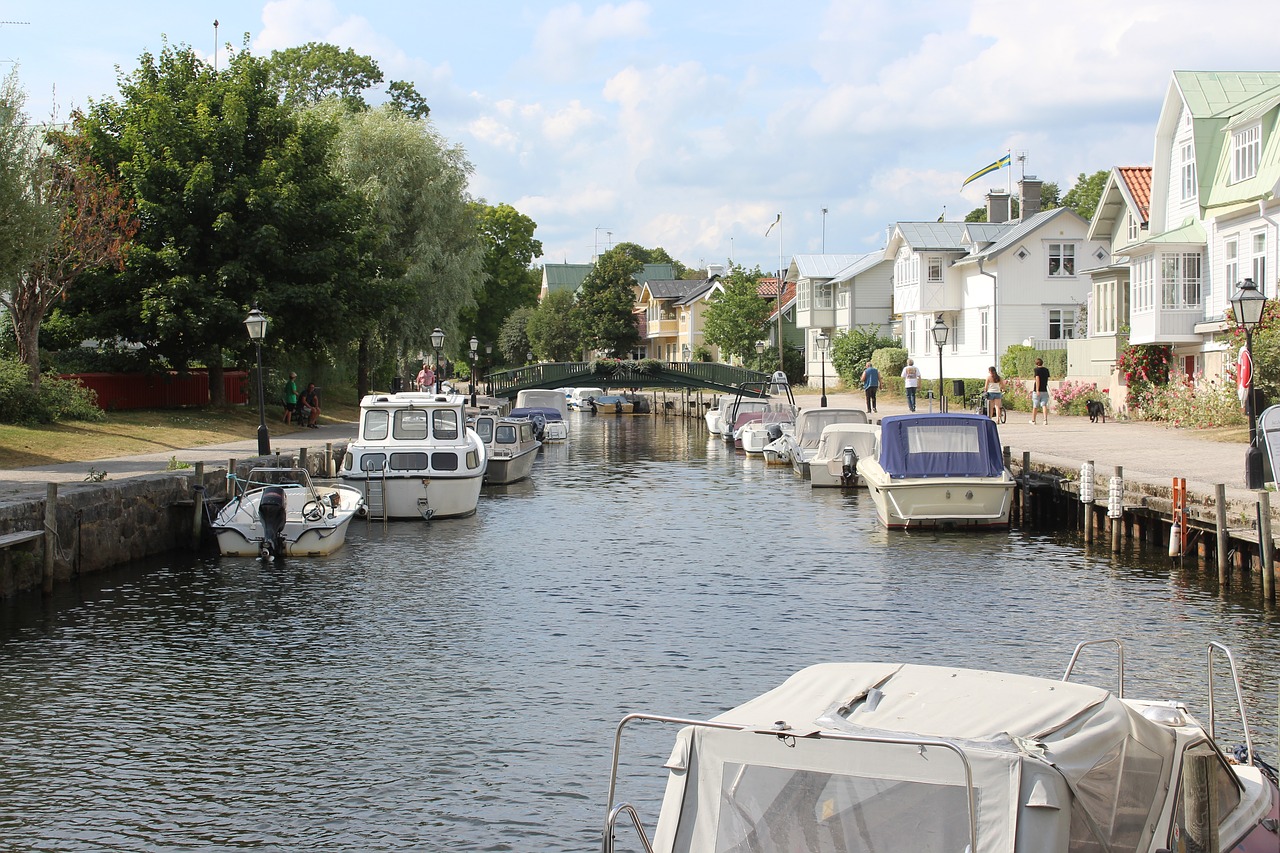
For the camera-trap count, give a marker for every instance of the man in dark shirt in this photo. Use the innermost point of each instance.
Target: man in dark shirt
(309, 406)
(1040, 391)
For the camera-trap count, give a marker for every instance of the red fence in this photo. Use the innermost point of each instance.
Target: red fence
(170, 390)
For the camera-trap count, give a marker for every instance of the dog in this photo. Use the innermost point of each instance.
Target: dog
(1096, 410)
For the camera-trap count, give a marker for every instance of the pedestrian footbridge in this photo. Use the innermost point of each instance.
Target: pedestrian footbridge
(642, 373)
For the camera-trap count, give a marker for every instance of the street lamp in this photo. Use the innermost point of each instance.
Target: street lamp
(475, 346)
(437, 342)
(1247, 304)
(256, 323)
(822, 342)
(940, 338)
(759, 353)
(684, 351)
(488, 362)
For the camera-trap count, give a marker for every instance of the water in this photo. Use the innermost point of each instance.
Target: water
(456, 686)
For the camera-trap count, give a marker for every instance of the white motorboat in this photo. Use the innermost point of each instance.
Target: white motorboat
(579, 398)
(798, 447)
(777, 420)
(553, 427)
(938, 470)
(909, 758)
(415, 457)
(717, 414)
(750, 404)
(834, 463)
(512, 448)
(279, 512)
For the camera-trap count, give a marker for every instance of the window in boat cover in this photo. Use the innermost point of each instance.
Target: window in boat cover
(780, 810)
(444, 461)
(1117, 794)
(444, 424)
(410, 425)
(375, 425)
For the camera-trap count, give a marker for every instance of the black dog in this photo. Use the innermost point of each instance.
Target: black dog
(1096, 410)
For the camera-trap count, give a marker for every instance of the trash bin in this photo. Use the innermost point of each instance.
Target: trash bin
(397, 384)
(957, 388)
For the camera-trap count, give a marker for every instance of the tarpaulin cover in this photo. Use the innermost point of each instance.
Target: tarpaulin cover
(940, 445)
(529, 411)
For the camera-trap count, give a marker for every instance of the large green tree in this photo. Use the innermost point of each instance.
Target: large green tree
(555, 327)
(27, 227)
(1084, 196)
(317, 71)
(239, 206)
(738, 317)
(607, 299)
(510, 282)
(513, 338)
(423, 250)
(652, 256)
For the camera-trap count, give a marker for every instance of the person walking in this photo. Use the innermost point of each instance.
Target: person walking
(871, 384)
(995, 393)
(426, 379)
(1040, 391)
(910, 383)
(290, 399)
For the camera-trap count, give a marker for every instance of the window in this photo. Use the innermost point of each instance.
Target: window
(984, 328)
(1258, 241)
(957, 332)
(444, 424)
(410, 425)
(408, 461)
(822, 295)
(802, 294)
(375, 425)
(1135, 230)
(1062, 259)
(1143, 275)
(1180, 280)
(444, 461)
(1062, 324)
(1188, 172)
(935, 269)
(911, 334)
(842, 295)
(1231, 262)
(1246, 151)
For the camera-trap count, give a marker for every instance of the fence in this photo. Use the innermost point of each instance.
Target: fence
(169, 390)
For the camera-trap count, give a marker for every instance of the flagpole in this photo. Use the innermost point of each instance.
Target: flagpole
(781, 280)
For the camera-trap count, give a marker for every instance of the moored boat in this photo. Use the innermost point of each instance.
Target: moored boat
(580, 398)
(798, 447)
(415, 457)
(552, 427)
(777, 420)
(834, 463)
(910, 758)
(938, 470)
(512, 447)
(279, 512)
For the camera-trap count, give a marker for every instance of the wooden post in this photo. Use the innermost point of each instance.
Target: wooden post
(197, 479)
(328, 459)
(1117, 524)
(1027, 517)
(302, 458)
(50, 533)
(1265, 551)
(232, 473)
(1200, 802)
(1220, 511)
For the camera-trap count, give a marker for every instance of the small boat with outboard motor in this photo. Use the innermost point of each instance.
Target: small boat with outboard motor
(547, 409)
(834, 463)
(280, 512)
(512, 446)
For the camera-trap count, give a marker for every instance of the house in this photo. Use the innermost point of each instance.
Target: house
(671, 311)
(564, 276)
(1122, 221)
(838, 293)
(993, 283)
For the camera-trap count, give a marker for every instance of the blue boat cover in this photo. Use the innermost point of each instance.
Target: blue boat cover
(941, 445)
(526, 412)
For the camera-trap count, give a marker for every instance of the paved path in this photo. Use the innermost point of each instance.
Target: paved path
(1147, 451)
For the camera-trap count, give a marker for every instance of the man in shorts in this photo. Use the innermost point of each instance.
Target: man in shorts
(1040, 391)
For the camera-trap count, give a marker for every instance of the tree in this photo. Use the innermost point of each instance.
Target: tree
(509, 280)
(555, 328)
(239, 206)
(1083, 198)
(405, 98)
(314, 71)
(651, 256)
(851, 350)
(607, 301)
(738, 317)
(513, 339)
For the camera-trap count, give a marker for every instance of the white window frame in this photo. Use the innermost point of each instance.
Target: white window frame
(1231, 262)
(1258, 251)
(1246, 152)
(1142, 275)
(1134, 231)
(1065, 255)
(822, 296)
(842, 295)
(984, 326)
(1065, 318)
(802, 294)
(935, 269)
(911, 334)
(1189, 191)
(1180, 274)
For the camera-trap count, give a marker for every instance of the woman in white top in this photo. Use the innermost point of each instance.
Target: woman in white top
(995, 393)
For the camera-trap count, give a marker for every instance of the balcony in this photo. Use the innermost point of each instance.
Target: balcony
(1165, 325)
(662, 328)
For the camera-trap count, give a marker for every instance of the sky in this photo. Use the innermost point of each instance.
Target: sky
(693, 125)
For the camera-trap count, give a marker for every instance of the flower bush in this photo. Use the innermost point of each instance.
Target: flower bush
(1072, 398)
(1184, 402)
(1143, 366)
(1016, 397)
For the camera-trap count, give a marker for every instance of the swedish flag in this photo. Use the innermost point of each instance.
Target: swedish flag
(986, 170)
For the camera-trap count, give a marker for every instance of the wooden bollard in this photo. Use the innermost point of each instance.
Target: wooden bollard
(302, 458)
(50, 533)
(1117, 523)
(328, 459)
(232, 473)
(1220, 513)
(1088, 510)
(197, 517)
(1265, 551)
(1200, 802)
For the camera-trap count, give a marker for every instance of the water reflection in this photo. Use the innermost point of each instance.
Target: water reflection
(456, 685)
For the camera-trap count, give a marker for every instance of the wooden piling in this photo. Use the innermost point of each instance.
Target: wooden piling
(197, 517)
(50, 533)
(1267, 553)
(302, 458)
(1200, 802)
(329, 470)
(1088, 509)
(1026, 488)
(1220, 513)
(1116, 523)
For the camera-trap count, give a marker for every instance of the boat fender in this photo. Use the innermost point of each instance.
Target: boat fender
(1175, 539)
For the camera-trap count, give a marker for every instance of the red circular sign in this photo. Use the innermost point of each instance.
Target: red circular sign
(1244, 372)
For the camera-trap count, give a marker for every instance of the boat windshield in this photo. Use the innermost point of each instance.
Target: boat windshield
(484, 429)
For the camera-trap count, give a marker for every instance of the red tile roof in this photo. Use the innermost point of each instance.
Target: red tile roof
(767, 288)
(788, 294)
(1138, 181)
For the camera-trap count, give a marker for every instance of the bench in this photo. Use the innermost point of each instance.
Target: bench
(21, 537)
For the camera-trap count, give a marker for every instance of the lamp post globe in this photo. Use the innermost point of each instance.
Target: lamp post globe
(437, 343)
(256, 323)
(475, 347)
(1247, 304)
(821, 343)
(940, 332)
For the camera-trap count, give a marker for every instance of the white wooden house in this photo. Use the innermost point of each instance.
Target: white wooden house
(838, 293)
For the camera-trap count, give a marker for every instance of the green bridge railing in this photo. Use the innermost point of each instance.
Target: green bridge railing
(647, 373)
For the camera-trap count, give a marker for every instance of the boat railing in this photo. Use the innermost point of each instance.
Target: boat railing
(780, 731)
(1108, 641)
(1235, 680)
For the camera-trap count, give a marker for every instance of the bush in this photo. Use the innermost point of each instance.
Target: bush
(57, 400)
(889, 361)
(1072, 398)
(702, 352)
(851, 350)
(1020, 360)
(1181, 402)
(792, 363)
(1143, 366)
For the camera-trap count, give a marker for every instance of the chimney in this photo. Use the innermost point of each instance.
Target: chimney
(997, 206)
(1029, 190)
(714, 270)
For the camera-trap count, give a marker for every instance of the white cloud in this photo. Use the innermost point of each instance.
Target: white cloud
(568, 39)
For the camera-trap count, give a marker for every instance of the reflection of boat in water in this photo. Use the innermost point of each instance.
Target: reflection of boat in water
(938, 470)
(415, 457)
(835, 461)
(550, 427)
(512, 448)
(908, 758)
(279, 512)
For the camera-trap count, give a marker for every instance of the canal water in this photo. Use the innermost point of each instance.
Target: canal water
(456, 686)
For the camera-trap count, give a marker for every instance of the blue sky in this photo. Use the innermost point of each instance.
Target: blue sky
(691, 125)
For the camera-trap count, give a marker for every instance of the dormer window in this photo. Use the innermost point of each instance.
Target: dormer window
(1189, 172)
(1133, 228)
(1246, 151)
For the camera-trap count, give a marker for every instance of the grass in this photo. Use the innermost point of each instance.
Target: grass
(145, 431)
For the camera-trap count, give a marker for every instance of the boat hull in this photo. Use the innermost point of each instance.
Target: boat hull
(239, 531)
(976, 502)
(311, 542)
(413, 496)
(510, 469)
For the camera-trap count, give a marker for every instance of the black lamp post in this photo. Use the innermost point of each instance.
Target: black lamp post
(822, 342)
(437, 342)
(940, 338)
(759, 354)
(528, 357)
(488, 360)
(1248, 303)
(256, 323)
(475, 346)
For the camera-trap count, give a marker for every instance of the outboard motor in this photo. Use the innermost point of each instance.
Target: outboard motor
(772, 433)
(848, 467)
(539, 426)
(271, 511)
